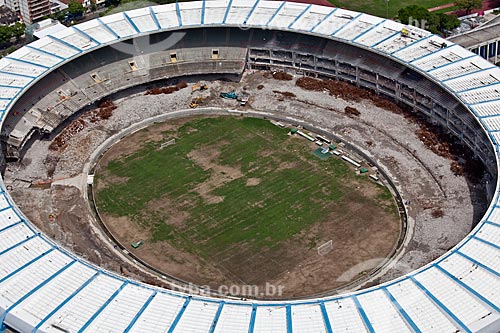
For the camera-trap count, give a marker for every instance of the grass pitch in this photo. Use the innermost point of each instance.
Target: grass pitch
(379, 7)
(236, 188)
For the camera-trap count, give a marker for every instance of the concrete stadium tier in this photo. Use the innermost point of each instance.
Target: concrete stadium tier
(43, 288)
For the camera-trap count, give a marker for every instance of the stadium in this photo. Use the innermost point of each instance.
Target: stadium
(47, 288)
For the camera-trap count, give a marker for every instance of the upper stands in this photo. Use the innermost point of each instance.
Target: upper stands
(43, 288)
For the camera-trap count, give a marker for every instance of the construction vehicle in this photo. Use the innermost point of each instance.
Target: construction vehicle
(242, 98)
(199, 87)
(229, 95)
(195, 102)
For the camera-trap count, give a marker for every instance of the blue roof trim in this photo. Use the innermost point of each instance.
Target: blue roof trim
(368, 30)
(490, 222)
(483, 266)
(10, 87)
(155, 18)
(17, 270)
(323, 19)
(251, 12)
(203, 7)
(60, 41)
(410, 45)
(484, 102)
(138, 314)
(441, 305)
(326, 318)
(363, 315)
(487, 242)
(26, 62)
(10, 206)
(450, 63)
(469, 289)
(86, 35)
(275, 13)
(289, 323)
(251, 326)
(476, 88)
(298, 17)
(401, 311)
(227, 11)
(385, 39)
(63, 303)
(179, 315)
(129, 20)
(10, 248)
(469, 73)
(45, 52)
(34, 290)
(98, 312)
(431, 53)
(178, 10)
(21, 75)
(108, 28)
(346, 24)
(216, 318)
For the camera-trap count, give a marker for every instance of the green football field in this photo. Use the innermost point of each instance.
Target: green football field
(236, 183)
(379, 7)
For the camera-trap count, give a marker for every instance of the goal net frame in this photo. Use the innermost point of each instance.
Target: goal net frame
(325, 248)
(168, 143)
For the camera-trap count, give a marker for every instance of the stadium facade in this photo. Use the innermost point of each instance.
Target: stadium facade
(44, 288)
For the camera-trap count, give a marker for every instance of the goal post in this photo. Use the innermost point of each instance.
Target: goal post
(168, 143)
(325, 248)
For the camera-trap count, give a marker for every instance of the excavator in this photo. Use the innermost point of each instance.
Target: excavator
(195, 102)
(199, 86)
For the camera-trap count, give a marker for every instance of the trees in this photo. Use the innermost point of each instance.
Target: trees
(469, 5)
(75, 8)
(422, 18)
(7, 33)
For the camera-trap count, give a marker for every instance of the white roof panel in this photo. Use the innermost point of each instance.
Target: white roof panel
(97, 30)
(234, 318)
(379, 33)
(159, 315)
(422, 311)
(142, 19)
(215, 11)
(119, 24)
(381, 313)
(167, 16)
(464, 306)
(14, 236)
(120, 311)
(460, 68)
(75, 38)
(475, 80)
(358, 26)
(442, 57)
(197, 318)
(344, 316)
(14, 80)
(16, 67)
(53, 46)
(240, 10)
(421, 48)
(270, 319)
(311, 18)
(263, 13)
(8, 217)
(334, 22)
(190, 13)
(287, 15)
(77, 311)
(307, 318)
(36, 57)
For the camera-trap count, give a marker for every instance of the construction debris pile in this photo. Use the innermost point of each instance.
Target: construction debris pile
(167, 90)
(62, 139)
(432, 136)
(103, 112)
(284, 94)
(282, 76)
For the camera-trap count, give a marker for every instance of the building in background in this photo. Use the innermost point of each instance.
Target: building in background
(12, 5)
(32, 10)
(484, 40)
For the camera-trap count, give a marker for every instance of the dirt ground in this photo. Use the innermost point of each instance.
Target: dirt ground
(424, 178)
